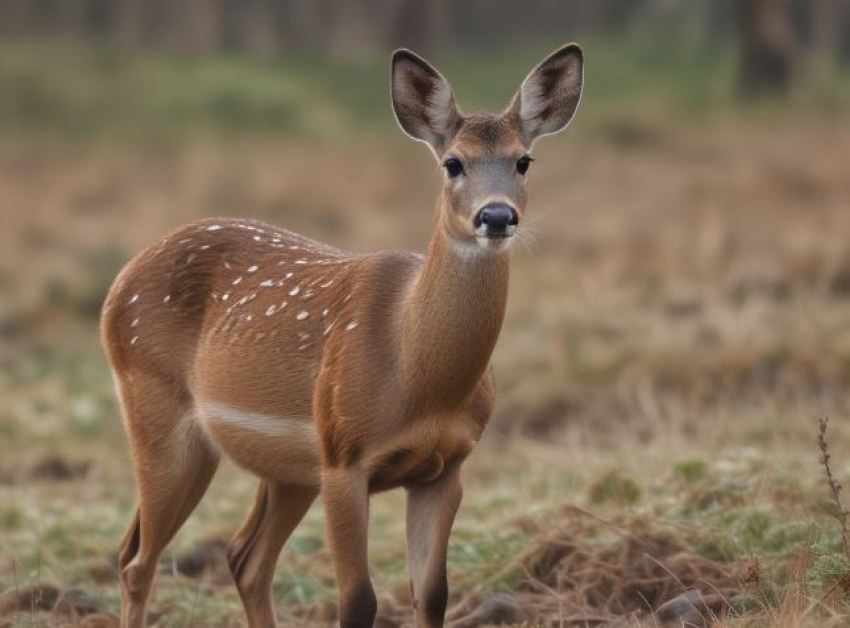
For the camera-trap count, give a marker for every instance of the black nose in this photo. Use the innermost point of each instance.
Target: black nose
(496, 218)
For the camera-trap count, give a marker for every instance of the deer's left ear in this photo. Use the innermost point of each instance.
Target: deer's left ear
(549, 96)
(423, 101)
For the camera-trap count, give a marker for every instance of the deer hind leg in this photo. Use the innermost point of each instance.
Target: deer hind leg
(254, 549)
(174, 465)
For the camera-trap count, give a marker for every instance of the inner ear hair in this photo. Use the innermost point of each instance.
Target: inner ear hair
(549, 96)
(423, 102)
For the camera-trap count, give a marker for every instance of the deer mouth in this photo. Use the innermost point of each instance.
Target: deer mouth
(494, 241)
(504, 233)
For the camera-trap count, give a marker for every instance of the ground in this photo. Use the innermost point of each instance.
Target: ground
(678, 324)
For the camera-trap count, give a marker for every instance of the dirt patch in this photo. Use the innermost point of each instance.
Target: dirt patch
(29, 599)
(48, 469)
(207, 561)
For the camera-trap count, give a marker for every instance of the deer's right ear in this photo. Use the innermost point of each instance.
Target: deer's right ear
(423, 101)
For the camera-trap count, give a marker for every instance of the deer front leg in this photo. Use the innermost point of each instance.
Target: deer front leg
(346, 496)
(431, 509)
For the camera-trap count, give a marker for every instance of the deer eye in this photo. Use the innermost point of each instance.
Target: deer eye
(453, 167)
(523, 163)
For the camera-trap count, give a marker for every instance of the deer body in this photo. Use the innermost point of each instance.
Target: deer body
(325, 372)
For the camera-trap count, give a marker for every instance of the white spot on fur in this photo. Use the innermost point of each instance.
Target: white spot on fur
(213, 227)
(167, 298)
(295, 291)
(237, 281)
(135, 322)
(351, 325)
(268, 283)
(301, 261)
(325, 312)
(326, 284)
(302, 315)
(253, 269)
(134, 299)
(271, 310)
(134, 340)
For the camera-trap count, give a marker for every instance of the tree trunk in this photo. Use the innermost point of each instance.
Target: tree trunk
(825, 33)
(767, 46)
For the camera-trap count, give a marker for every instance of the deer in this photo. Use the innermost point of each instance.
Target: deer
(328, 373)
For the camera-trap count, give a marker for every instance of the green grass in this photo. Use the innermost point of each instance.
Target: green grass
(59, 90)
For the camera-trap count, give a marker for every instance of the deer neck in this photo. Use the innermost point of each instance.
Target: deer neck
(452, 318)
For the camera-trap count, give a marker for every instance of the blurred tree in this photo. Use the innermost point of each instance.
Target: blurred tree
(422, 26)
(825, 32)
(351, 29)
(767, 46)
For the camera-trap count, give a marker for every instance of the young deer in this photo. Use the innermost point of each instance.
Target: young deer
(322, 371)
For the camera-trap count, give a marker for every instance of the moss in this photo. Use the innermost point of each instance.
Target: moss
(827, 567)
(11, 518)
(615, 487)
(691, 470)
(744, 531)
(746, 602)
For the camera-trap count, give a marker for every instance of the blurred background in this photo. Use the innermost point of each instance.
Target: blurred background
(679, 316)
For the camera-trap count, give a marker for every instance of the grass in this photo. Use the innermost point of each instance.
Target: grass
(671, 340)
(714, 502)
(114, 94)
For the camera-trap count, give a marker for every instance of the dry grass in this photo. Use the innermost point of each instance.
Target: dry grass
(681, 321)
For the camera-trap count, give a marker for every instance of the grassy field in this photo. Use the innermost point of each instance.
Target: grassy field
(679, 322)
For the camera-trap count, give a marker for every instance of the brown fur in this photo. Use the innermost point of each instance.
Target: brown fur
(318, 370)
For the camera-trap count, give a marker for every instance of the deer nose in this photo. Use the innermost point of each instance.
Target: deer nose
(496, 219)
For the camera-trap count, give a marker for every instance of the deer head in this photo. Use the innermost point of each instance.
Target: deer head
(485, 156)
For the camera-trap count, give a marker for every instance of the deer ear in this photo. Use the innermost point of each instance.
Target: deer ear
(549, 96)
(423, 101)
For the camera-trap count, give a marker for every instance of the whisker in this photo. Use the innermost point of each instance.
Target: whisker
(529, 238)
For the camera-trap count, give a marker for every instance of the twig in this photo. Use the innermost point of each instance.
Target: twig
(195, 604)
(841, 514)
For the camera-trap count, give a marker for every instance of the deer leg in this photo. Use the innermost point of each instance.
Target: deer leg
(254, 549)
(346, 496)
(431, 509)
(174, 465)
